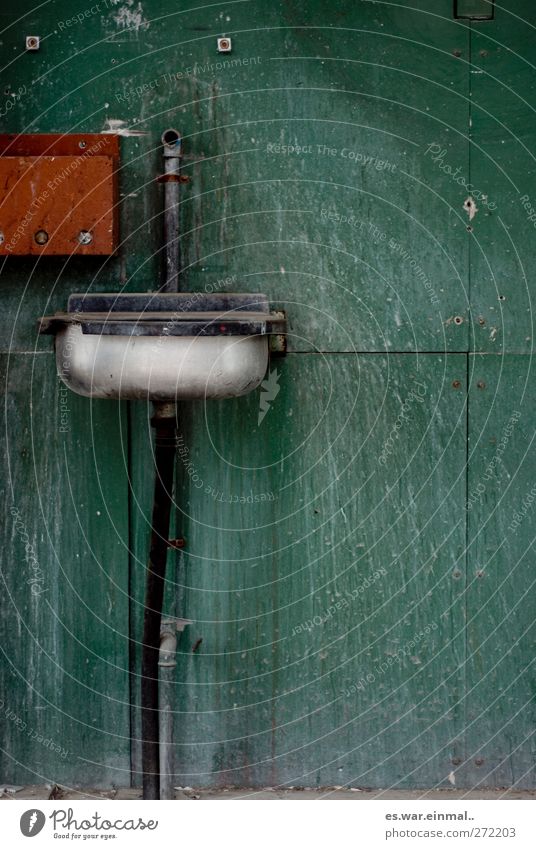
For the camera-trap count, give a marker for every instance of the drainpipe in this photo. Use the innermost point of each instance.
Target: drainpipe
(167, 664)
(164, 423)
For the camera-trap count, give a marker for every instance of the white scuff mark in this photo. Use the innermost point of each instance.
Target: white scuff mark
(493, 334)
(470, 207)
(452, 778)
(120, 128)
(129, 16)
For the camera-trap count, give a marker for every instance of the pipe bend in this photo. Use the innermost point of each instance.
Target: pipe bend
(171, 138)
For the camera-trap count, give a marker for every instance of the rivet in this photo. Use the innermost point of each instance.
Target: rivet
(456, 384)
(82, 144)
(456, 761)
(224, 45)
(32, 42)
(41, 237)
(479, 761)
(481, 384)
(481, 321)
(456, 574)
(458, 319)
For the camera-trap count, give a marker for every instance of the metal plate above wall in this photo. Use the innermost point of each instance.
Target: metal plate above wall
(60, 194)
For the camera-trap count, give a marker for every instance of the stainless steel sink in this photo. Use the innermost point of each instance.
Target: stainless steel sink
(163, 347)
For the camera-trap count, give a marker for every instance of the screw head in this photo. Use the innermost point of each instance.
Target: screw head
(82, 144)
(85, 237)
(41, 237)
(458, 319)
(224, 45)
(32, 42)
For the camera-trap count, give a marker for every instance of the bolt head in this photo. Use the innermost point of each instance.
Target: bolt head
(224, 45)
(85, 237)
(32, 42)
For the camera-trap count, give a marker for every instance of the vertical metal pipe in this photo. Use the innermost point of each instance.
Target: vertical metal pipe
(164, 422)
(171, 178)
(167, 664)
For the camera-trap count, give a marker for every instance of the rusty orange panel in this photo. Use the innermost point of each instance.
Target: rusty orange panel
(59, 194)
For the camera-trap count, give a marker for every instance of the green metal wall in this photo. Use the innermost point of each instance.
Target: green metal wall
(370, 620)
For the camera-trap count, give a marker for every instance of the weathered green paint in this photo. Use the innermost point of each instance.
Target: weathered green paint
(275, 694)
(373, 260)
(64, 625)
(501, 632)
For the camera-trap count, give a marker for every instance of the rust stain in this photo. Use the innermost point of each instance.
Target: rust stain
(57, 188)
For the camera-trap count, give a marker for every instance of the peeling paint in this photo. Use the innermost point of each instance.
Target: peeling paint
(470, 207)
(120, 128)
(129, 16)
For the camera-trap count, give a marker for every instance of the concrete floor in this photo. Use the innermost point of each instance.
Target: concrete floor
(291, 794)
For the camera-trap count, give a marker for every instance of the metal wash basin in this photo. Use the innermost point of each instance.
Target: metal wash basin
(163, 347)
